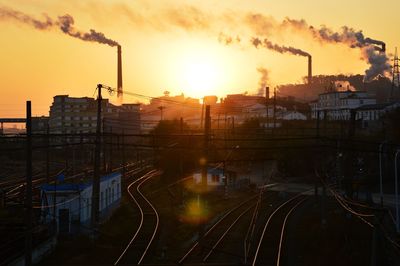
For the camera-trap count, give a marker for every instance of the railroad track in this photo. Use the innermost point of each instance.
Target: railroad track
(140, 243)
(14, 190)
(202, 249)
(270, 245)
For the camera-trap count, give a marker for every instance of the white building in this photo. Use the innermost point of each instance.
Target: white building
(215, 177)
(337, 105)
(259, 110)
(371, 114)
(71, 204)
(291, 115)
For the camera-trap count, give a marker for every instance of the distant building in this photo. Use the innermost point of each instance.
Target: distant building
(291, 115)
(215, 177)
(371, 115)
(168, 108)
(337, 105)
(242, 100)
(70, 203)
(259, 110)
(79, 115)
(126, 119)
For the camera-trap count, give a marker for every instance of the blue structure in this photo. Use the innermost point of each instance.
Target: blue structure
(69, 205)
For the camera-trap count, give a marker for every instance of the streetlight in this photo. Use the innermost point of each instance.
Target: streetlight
(396, 191)
(380, 171)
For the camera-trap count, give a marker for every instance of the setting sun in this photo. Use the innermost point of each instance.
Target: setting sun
(201, 74)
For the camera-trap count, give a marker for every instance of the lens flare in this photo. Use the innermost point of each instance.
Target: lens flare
(196, 212)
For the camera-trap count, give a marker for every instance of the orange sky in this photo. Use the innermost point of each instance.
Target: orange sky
(173, 45)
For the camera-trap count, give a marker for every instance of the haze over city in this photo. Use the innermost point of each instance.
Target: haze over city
(176, 46)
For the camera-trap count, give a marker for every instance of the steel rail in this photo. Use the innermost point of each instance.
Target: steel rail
(143, 179)
(268, 223)
(214, 226)
(227, 231)
(283, 230)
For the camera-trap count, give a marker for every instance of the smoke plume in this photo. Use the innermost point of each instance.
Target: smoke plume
(10, 14)
(379, 62)
(227, 40)
(65, 23)
(373, 51)
(264, 78)
(277, 48)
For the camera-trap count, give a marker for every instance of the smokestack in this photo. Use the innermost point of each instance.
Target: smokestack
(119, 74)
(383, 47)
(309, 70)
(267, 93)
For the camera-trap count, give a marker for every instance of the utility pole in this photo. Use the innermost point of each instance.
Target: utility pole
(325, 121)
(123, 154)
(266, 103)
(318, 112)
(233, 125)
(96, 172)
(352, 127)
(202, 113)
(28, 200)
(395, 76)
(161, 112)
(207, 127)
(274, 108)
(110, 158)
(104, 146)
(181, 125)
(48, 153)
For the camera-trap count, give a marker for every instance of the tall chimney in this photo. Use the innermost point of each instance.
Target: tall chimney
(267, 93)
(309, 70)
(119, 74)
(383, 47)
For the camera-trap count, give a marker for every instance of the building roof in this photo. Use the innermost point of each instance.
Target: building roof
(76, 187)
(348, 91)
(378, 106)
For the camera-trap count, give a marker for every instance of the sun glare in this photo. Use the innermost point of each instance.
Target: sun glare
(201, 75)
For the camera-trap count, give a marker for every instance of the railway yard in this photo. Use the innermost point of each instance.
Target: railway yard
(274, 225)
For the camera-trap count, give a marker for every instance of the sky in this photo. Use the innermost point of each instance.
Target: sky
(176, 46)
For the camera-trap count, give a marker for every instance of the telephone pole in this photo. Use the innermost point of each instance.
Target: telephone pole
(274, 108)
(395, 76)
(267, 103)
(161, 108)
(207, 128)
(96, 172)
(28, 200)
(48, 153)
